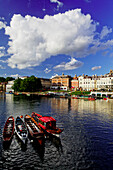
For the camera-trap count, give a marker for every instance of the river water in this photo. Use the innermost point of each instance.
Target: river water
(85, 143)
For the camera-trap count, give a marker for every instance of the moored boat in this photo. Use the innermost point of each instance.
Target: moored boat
(47, 124)
(91, 98)
(35, 131)
(21, 129)
(8, 130)
(74, 97)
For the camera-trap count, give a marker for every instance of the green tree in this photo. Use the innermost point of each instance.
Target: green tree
(16, 85)
(35, 83)
(9, 79)
(30, 84)
(2, 79)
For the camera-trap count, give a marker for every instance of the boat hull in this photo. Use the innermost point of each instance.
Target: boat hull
(34, 131)
(53, 130)
(8, 130)
(21, 130)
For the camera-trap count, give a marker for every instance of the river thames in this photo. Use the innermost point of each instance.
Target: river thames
(85, 143)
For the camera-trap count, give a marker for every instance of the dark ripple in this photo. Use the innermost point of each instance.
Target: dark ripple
(86, 142)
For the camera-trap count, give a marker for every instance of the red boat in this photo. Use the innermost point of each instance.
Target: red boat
(47, 124)
(34, 130)
(91, 98)
(8, 129)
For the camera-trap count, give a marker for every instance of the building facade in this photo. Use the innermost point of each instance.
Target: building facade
(75, 83)
(9, 86)
(96, 82)
(61, 82)
(46, 83)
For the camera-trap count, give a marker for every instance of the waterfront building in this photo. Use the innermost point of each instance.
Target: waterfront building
(96, 82)
(61, 82)
(105, 83)
(9, 86)
(86, 83)
(46, 83)
(23, 77)
(75, 83)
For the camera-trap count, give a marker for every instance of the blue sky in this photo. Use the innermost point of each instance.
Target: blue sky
(49, 37)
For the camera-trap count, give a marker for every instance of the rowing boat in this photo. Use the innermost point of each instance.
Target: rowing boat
(21, 129)
(34, 130)
(8, 130)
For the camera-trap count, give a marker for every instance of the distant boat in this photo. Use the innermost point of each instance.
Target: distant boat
(35, 131)
(21, 129)
(47, 124)
(91, 98)
(74, 97)
(8, 130)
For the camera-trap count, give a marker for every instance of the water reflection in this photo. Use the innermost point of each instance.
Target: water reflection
(21, 144)
(81, 106)
(85, 143)
(40, 150)
(56, 141)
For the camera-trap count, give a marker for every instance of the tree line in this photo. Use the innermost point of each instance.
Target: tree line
(2, 79)
(30, 84)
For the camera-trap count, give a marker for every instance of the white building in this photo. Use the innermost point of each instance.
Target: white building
(95, 82)
(86, 83)
(105, 83)
(9, 86)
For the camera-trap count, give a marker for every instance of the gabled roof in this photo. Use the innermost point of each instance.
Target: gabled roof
(46, 119)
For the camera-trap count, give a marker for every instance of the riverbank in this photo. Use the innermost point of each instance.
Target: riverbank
(79, 93)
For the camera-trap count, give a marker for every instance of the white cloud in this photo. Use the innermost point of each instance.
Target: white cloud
(3, 61)
(54, 75)
(105, 31)
(47, 70)
(33, 40)
(2, 24)
(15, 76)
(44, 9)
(73, 64)
(59, 4)
(2, 51)
(96, 68)
(2, 18)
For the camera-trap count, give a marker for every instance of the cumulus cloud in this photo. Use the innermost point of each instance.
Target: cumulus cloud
(59, 4)
(105, 31)
(73, 64)
(47, 70)
(2, 24)
(2, 51)
(33, 40)
(96, 68)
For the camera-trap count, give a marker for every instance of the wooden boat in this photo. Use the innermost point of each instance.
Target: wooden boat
(91, 98)
(8, 129)
(35, 131)
(47, 124)
(21, 130)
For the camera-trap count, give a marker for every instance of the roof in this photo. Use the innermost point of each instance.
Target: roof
(47, 119)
